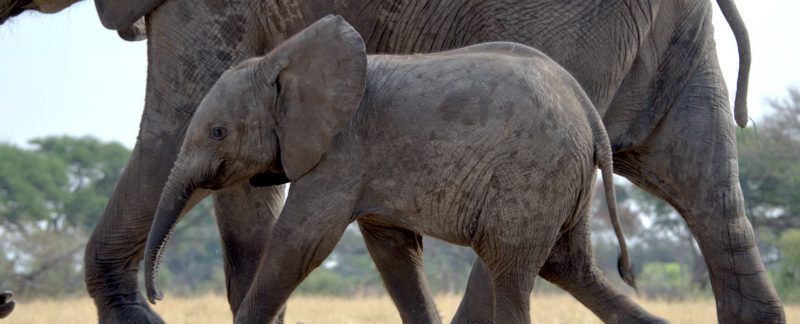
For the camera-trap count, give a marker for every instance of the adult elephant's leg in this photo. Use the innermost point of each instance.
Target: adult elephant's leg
(190, 43)
(571, 267)
(691, 162)
(116, 246)
(397, 254)
(245, 216)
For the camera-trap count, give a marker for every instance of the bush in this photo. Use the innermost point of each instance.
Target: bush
(665, 280)
(786, 276)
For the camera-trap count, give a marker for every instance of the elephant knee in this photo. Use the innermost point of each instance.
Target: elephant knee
(740, 235)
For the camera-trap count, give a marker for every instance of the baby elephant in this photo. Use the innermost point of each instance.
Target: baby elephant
(493, 146)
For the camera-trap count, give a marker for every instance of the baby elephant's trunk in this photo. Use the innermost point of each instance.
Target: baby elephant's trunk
(170, 207)
(179, 196)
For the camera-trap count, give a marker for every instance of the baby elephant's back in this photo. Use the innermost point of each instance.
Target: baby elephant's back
(521, 81)
(489, 110)
(489, 93)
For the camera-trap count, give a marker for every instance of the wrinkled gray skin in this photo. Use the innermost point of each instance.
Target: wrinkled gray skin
(448, 145)
(7, 303)
(649, 67)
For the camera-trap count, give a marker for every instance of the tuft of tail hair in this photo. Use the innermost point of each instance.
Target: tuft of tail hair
(627, 273)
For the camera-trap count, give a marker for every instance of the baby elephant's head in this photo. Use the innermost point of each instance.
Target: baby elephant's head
(275, 115)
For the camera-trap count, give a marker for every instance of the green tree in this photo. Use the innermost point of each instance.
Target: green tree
(32, 189)
(94, 168)
(786, 274)
(38, 249)
(52, 194)
(769, 170)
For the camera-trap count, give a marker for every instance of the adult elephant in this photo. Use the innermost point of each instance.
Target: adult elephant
(649, 66)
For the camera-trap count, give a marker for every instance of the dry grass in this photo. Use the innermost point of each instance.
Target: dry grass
(312, 310)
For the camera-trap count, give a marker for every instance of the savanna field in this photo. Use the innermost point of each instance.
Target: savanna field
(550, 308)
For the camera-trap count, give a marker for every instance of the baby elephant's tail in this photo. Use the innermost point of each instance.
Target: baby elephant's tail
(603, 159)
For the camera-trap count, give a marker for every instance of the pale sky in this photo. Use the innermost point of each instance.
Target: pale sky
(66, 74)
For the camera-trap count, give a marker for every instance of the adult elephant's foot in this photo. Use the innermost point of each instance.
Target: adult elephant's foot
(741, 286)
(116, 293)
(127, 309)
(7, 303)
(739, 301)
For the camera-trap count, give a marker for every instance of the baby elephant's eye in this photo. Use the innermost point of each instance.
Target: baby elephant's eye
(218, 133)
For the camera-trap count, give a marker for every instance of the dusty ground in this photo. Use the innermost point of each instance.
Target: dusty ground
(313, 310)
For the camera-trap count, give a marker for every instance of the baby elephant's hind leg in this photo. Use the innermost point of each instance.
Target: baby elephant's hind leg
(571, 267)
(513, 271)
(513, 248)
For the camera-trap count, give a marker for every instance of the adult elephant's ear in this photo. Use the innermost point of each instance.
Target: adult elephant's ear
(121, 15)
(320, 77)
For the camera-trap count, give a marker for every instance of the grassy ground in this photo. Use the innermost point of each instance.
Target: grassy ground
(313, 310)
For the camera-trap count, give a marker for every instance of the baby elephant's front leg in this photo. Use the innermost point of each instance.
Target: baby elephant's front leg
(306, 232)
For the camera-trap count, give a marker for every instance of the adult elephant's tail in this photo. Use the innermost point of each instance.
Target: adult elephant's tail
(743, 42)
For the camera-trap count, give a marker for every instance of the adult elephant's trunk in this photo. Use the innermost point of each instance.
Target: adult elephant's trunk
(179, 196)
(7, 303)
(731, 14)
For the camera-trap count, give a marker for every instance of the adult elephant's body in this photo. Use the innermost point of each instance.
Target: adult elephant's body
(650, 67)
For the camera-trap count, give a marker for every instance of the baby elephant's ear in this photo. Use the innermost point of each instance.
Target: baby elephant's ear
(321, 75)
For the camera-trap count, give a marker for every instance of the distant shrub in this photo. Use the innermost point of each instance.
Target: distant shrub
(786, 276)
(665, 280)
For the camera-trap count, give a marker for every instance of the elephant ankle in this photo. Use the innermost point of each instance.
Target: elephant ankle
(752, 311)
